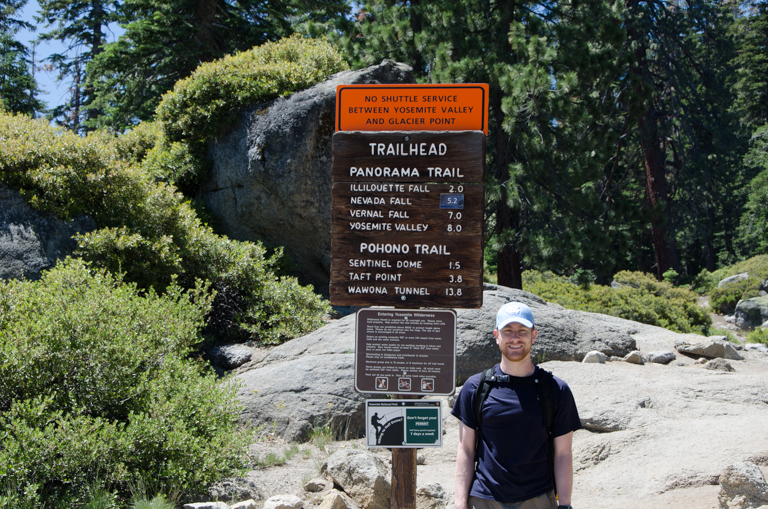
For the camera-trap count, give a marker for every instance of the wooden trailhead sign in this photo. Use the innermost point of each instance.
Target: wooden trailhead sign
(407, 219)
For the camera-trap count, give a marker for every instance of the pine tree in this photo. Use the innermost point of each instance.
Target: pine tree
(165, 41)
(80, 25)
(18, 87)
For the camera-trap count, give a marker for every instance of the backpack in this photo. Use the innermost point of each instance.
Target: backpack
(543, 383)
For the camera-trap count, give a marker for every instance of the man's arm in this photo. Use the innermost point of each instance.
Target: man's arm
(465, 464)
(563, 468)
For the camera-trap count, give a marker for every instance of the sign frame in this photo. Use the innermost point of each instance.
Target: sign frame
(373, 355)
(415, 112)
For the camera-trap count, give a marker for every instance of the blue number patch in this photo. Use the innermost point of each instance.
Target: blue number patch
(451, 201)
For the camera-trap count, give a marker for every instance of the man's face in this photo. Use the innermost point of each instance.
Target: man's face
(515, 341)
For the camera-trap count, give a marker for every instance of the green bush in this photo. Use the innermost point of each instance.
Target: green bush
(148, 231)
(640, 298)
(724, 299)
(202, 105)
(758, 336)
(707, 281)
(97, 391)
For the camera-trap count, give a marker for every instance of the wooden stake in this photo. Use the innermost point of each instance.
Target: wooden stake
(404, 473)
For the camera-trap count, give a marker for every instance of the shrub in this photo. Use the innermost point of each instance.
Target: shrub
(640, 298)
(707, 281)
(724, 298)
(96, 386)
(758, 336)
(203, 104)
(148, 231)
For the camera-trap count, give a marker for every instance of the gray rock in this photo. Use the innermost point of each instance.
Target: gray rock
(752, 312)
(308, 382)
(710, 347)
(295, 396)
(663, 357)
(362, 476)
(245, 504)
(271, 175)
(336, 499)
(317, 485)
(283, 502)
(206, 505)
(634, 357)
(756, 347)
(742, 486)
(235, 488)
(733, 279)
(229, 356)
(32, 241)
(719, 365)
(594, 357)
(764, 285)
(431, 496)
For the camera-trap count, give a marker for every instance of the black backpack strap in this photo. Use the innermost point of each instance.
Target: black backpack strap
(481, 394)
(544, 388)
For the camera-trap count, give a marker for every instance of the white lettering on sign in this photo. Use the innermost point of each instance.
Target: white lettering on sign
(363, 276)
(366, 213)
(399, 214)
(409, 149)
(385, 248)
(408, 264)
(404, 227)
(378, 188)
(370, 263)
(387, 277)
(399, 201)
(415, 188)
(411, 291)
(380, 227)
(367, 289)
(445, 172)
(427, 249)
(383, 172)
(366, 200)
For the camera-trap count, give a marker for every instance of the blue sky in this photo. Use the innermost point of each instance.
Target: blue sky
(54, 93)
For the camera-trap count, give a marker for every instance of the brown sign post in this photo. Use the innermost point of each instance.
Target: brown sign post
(407, 231)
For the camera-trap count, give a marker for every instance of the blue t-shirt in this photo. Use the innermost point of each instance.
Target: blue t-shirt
(512, 454)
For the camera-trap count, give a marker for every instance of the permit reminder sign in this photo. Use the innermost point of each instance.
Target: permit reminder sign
(403, 424)
(444, 107)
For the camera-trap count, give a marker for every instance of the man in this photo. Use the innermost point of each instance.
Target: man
(513, 471)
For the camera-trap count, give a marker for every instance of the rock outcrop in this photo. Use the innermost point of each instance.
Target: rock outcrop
(31, 241)
(752, 312)
(308, 382)
(271, 175)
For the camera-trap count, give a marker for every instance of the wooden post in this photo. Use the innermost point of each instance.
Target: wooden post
(404, 473)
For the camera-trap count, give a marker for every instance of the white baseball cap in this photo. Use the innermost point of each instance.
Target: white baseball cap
(514, 312)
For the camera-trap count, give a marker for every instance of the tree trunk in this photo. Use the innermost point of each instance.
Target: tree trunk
(509, 272)
(656, 189)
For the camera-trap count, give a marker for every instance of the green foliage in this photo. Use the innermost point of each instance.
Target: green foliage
(640, 298)
(97, 390)
(205, 103)
(148, 231)
(758, 336)
(17, 85)
(724, 298)
(722, 332)
(753, 229)
(707, 281)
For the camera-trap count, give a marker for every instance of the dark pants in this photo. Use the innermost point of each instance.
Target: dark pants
(544, 501)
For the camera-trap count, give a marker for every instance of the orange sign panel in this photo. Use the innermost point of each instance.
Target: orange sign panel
(446, 107)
